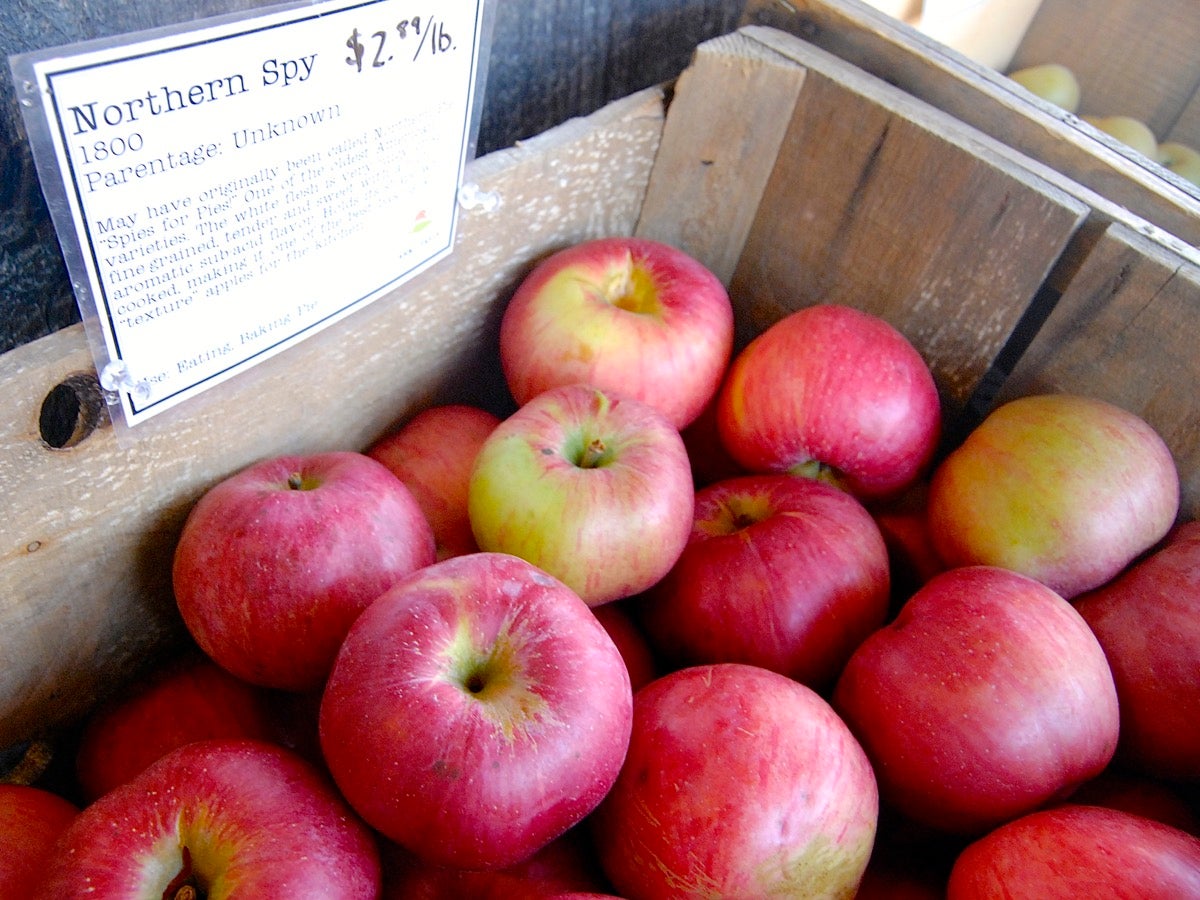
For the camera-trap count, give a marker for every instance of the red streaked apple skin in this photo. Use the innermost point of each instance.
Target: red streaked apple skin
(609, 530)
(739, 782)
(630, 315)
(834, 386)
(185, 699)
(433, 454)
(1075, 851)
(1064, 488)
(1147, 620)
(256, 821)
(476, 711)
(986, 697)
(268, 578)
(781, 572)
(31, 821)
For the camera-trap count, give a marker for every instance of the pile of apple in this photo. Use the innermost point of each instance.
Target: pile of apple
(1057, 84)
(690, 620)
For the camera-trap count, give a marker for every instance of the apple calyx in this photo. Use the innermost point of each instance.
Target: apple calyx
(819, 471)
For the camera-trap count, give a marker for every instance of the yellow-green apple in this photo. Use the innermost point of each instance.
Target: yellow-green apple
(986, 697)
(1130, 131)
(1075, 851)
(218, 819)
(31, 821)
(786, 573)
(592, 486)
(1147, 620)
(739, 782)
(275, 561)
(1180, 158)
(433, 454)
(629, 315)
(1053, 82)
(1064, 488)
(187, 698)
(477, 711)
(834, 393)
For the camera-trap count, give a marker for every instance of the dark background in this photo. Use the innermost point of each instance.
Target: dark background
(550, 60)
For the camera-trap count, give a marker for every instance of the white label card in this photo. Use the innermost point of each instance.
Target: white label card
(236, 187)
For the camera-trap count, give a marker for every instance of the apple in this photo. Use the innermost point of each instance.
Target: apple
(710, 460)
(631, 640)
(986, 697)
(476, 711)
(31, 821)
(1130, 131)
(739, 782)
(591, 486)
(1139, 794)
(218, 819)
(275, 561)
(1077, 851)
(834, 393)
(1148, 621)
(1182, 159)
(912, 557)
(629, 315)
(781, 572)
(1067, 489)
(433, 454)
(1053, 82)
(184, 699)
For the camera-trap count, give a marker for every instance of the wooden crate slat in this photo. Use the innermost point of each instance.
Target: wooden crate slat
(1127, 330)
(906, 213)
(89, 531)
(1123, 185)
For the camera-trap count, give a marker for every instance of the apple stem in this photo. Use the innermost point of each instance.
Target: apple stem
(187, 892)
(295, 481)
(593, 454)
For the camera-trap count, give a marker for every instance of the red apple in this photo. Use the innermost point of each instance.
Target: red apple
(1148, 622)
(1139, 794)
(275, 561)
(31, 821)
(591, 486)
(986, 697)
(710, 460)
(627, 634)
(781, 572)
(912, 558)
(1075, 851)
(186, 699)
(629, 315)
(739, 782)
(1063, 488)
(476, 711)
(433, 454)
(218, 819)
(833, 393)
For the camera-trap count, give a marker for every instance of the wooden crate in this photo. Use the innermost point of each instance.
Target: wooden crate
(797, 176)
(1132, 57)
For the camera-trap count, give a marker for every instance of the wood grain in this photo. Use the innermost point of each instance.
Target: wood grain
(88, 532)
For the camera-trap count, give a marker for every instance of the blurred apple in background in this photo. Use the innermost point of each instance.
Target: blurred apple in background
(627, 634)
(1130, 131)
(476, 712)
(781, 572)
(1053, 82)
(218, 819)
(739, 782)
(833, 393)
(1063, 488)
(637, 317)
(275, 561)
(986, 696)
(186, 699)
(1117, 788)
(433, 454)
(31, 821)
(1148, 621)
(1077, 851)
(591, 486)
(1182, 159)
